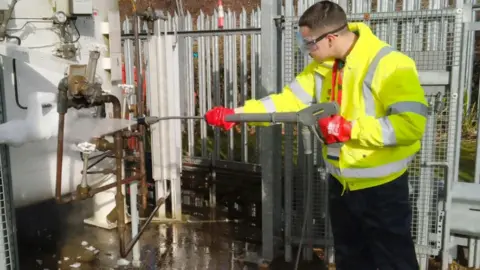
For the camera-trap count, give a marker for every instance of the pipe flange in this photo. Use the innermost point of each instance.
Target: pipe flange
(83, 192)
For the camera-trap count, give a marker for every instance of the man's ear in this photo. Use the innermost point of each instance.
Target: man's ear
(331, 38)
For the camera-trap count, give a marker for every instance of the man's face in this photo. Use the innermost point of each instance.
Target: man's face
(317, 45)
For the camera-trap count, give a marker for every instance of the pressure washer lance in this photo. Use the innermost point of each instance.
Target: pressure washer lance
(308, 117)
(150, 120)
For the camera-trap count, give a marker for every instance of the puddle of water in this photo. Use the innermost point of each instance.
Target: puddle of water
(49, 233)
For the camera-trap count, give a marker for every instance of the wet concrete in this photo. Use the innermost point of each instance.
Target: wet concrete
(53, 236)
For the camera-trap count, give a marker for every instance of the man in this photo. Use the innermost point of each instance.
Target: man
(381, 122)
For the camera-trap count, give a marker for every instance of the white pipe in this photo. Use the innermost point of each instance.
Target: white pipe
(135, 222)
(471, 252)
(130, 80)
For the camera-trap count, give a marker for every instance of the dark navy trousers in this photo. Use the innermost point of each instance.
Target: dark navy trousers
(371, 227)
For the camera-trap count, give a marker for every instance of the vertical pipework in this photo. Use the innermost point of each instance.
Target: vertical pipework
(58, 184)
(140, 112)
(119, 197)
(84, 182)
(92, 65)
(140, 105)
(62, 110)
(143, 180)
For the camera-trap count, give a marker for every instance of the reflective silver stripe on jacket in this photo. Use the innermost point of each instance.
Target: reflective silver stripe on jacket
(371, 172)
(318, 87)
(299, 93)
(268, 104)
(333, 153)
(408, 106)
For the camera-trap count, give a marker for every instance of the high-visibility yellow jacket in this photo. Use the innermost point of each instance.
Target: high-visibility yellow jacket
(383, 98)
(299, 94)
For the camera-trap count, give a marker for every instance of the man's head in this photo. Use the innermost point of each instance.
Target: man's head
(323, 28)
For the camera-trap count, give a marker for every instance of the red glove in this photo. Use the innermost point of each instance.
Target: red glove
(335, 129)
(216, 117)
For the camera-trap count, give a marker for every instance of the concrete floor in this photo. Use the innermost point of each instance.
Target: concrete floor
(53, 237)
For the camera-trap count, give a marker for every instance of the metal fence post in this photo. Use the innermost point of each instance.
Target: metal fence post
(454, 134)
(270, 136)
(288, 69)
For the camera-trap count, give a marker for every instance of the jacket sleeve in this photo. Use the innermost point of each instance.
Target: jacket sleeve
(405, 106)
(294, 97)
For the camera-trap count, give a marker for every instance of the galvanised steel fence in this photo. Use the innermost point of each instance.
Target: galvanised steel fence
(254, 53)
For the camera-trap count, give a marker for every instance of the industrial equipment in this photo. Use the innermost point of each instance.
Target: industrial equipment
(65, 44)
(81, 90)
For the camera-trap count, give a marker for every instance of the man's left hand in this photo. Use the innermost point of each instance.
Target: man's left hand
(335, 129)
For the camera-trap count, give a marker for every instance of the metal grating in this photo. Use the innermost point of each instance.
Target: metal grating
(425, 35)
(8, 240)
(433, 39)
(6, 237)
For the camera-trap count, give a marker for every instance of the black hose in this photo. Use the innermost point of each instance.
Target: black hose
(14, 67)
(101, 157)
(15, 85)
(96, 156)
(97, 161)
(76, 29)
(307, 215)
(15, 81)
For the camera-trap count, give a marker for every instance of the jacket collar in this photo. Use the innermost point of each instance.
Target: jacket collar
(323, 68)
(364, 45)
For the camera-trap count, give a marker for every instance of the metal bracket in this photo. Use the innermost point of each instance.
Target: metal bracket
(279, 21)
(438, 105)
(440, 229)
(150, 16)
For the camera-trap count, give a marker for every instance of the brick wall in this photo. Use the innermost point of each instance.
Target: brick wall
(193, 6)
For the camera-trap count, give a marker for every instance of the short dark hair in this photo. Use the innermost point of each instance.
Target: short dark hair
(324, 15)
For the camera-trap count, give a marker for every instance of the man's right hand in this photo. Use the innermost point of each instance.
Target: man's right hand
(216, 117)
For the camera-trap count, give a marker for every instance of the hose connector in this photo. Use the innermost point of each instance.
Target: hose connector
(148, 120)
(307, 140)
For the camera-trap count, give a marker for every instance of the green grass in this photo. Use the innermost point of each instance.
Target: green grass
(469, 145)
(467, 160)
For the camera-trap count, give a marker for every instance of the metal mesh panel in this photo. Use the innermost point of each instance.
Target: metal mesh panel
(8, 243)
(7, 248)
(425, 35)
(432, 38)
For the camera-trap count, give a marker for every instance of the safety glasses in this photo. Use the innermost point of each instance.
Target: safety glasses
(310, 45)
